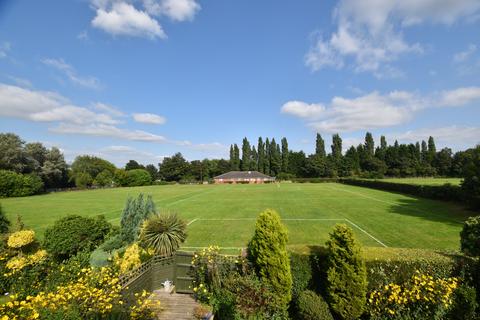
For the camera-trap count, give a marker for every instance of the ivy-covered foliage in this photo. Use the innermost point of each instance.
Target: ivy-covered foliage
(470, 236)
(268, 253)
(346, 274)
(72, 234)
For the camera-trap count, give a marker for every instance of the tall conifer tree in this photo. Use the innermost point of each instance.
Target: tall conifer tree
(320, 146)
(261, 155)
(284, 155)
(267, 156)
(246, 155)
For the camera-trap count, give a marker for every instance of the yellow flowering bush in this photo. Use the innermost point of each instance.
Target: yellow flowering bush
(132, 258)
(21, 238)
(94, 294)
(19, 262)
(423, 297)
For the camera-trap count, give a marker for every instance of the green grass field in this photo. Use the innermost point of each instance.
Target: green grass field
(225, 214)
(425, 181)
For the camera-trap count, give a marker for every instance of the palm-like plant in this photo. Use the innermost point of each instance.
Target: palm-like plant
(163, 232)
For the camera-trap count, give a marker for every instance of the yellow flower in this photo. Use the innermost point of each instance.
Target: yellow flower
(21, 238)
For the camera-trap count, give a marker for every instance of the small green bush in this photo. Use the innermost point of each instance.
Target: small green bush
(311, 306)
(14, 184)
(72, 234)
(268, 253)
(104, 179)
(83, 180)
(470, 236)
(464, 304)
(301, 269)
(138, 177)
(346, 274)
(4, 222)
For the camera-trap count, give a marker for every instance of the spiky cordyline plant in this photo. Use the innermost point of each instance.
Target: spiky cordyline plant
(164, 232)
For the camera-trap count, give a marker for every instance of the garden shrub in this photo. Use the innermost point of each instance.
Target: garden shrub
(470, 236)
(346, 274)
(138, 177)
(164, 233)
(4, 222)
(99, 258)
(301, 270)
(104, 179)
(464, 304)
(93, 295)
(311, 306)
(72, 234)
(14, 184)
(113, 242)
(268, 253)
(120, 178)
(131, 258)
(423, 297)
(83, 180)
(136, 210)
(398, 265)
(446, 192)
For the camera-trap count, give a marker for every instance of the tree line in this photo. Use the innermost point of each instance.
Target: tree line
(365, 160)
(32, 166)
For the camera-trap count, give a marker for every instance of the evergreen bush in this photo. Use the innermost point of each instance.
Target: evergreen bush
(311, 306)
(301, 269)
(72, 234)
(136, 210)
(83, 180)
(268, 254)
(470, 236)
(464, 304)
(4, 222)
(346, 274)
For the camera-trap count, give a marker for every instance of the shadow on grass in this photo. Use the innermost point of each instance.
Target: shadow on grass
(432, 210)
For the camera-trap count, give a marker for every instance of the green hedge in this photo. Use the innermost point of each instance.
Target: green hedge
(14, 184)
(314, 180)
(446, 192)
(384, 265)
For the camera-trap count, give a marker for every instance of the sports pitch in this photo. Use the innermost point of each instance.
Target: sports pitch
(225, 215)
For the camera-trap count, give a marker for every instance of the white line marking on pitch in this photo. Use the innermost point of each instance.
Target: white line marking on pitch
(189, 198)
(368, 234)
(192, 221)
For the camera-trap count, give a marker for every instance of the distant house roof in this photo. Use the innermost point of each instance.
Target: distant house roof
(240, 175)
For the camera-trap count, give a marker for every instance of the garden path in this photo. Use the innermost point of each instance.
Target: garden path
(174, 306)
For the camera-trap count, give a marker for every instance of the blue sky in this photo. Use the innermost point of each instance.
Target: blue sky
(143, 79)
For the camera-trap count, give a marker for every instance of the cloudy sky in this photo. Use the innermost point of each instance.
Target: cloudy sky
(143, 79)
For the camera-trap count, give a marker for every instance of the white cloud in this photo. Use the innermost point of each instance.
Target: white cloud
(124, 19)
(105, 130)
(83, 35)
(21, 81)
(149, 118)
(369, 33)
(456, 137)
(178, 10)
(464, 55)
(375, 110)
(69, 71)
(44, 106)
(108, 109)
(4, 49)
(302, 109)
(459, 97)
